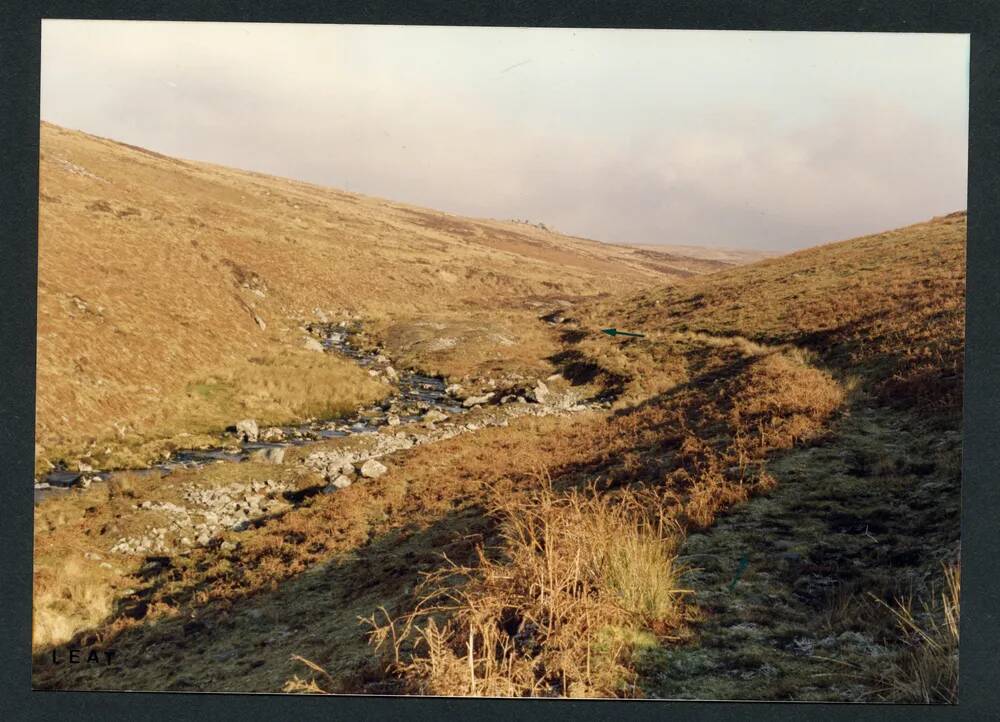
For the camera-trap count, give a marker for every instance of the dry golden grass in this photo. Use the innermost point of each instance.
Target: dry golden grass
(68, 600)
(577, 579)
(278, 386)
(75, 579)
(774, 402)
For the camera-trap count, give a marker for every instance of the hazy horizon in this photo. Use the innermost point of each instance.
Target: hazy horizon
(741, 140)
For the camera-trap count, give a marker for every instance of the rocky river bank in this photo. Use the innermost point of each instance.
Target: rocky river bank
(422, 410)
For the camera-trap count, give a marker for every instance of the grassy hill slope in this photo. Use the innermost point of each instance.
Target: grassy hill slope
(888, 307)
(171, 292)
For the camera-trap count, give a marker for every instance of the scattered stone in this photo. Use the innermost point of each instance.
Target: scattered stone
(372, 469)
(392, 420)
(153, 567)
(539, 394)
(247, 430)
(477, 400)
(269, 455)
(434, 415)
(341, 482)
(272, 433)
(442, 343)
(311, 344)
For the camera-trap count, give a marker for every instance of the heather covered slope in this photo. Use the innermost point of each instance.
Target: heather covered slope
(171, 293)
(888, 308)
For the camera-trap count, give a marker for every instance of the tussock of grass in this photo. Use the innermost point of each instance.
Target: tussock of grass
(67, 600)
(927, 672)
(580, 576)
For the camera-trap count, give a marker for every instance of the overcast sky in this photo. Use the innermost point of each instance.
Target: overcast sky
(740, 139)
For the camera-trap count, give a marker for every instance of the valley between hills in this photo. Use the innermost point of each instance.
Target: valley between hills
(295, 439)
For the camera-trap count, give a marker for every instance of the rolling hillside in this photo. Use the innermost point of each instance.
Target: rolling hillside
(159, 278)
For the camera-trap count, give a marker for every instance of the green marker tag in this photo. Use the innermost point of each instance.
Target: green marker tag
(744, 563)
(616, 332)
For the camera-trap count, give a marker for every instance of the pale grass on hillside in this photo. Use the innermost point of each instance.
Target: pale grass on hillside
(279, 387)
(582, 579)
(275, 387)
(72, 592)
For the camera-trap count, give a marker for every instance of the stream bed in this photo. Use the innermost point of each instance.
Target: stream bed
(415, 394)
